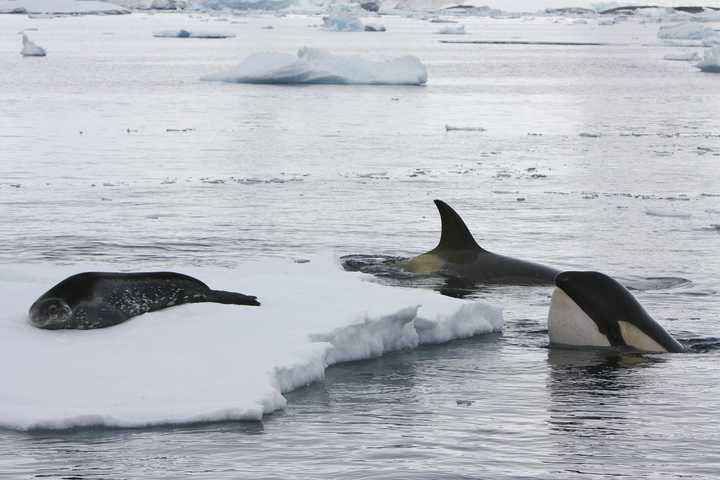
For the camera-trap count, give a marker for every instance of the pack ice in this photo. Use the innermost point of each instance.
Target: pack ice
(210, 362)
(313, 65)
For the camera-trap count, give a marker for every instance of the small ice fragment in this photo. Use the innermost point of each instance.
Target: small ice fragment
(659, 213)
(450, 128)
(30, 49)
(711, 61)
(188, 34)
(374, 27)
(682, 56)
(452, 30)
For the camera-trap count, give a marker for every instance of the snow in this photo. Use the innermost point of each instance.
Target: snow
(711, 61)
(452, 30)
(312, 65)
(30, 49)
(188, 34)
(61, 7)
(342, 19)
(211, 362)
(682, 56)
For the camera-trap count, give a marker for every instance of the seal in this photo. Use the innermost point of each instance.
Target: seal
(102, 299)
(591, 309)
(458, 255)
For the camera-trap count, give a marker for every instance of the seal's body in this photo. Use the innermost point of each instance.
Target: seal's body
(102, 299)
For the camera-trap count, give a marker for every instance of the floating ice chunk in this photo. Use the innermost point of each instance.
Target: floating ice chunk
(188, 34)
(452, 30)
(313, 65)
(30, 49)
(211, 362)
(450, 128)
(374, 27)
(660, 213)
(682, 56)
(711, 60)
(606, 21)
(342, 19)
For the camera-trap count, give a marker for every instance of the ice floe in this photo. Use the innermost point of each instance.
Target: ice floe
(711, 60)
(313, 65)
(188, 34)
(30, 48)
(682, 56)
(211, 362)
(61, 7)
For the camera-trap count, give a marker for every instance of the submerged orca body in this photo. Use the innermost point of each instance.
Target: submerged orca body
(458, 255)
(590, 309)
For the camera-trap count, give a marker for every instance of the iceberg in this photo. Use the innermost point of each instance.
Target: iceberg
(452, 30)
(316, 66)
(30, 49)
(342, 19)
(689, 31)
(711, 60)
(211, 362)
(188, 34)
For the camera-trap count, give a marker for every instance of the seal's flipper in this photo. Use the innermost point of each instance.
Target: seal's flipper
(455, 234)
(88, 315)
(232, 298)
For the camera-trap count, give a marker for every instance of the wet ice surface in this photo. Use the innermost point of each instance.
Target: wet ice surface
(117, 153)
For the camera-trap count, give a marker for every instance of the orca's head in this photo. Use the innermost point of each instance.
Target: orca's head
(592, 291)
(592, 309)
(50, 313)
(584, 310)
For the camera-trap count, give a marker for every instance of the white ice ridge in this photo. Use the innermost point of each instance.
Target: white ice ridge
(30, 49)
(711, 60)
(342, 18)
(452, 30)
(313, 65)
(61, 7)
(210, 362)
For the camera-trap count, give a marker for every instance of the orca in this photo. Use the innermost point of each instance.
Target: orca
(591, 309)
(458, 255)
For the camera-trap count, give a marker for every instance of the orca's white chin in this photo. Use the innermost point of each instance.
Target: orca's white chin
(569, 325)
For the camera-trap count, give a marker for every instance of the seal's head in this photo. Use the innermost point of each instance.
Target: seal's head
(50, 313)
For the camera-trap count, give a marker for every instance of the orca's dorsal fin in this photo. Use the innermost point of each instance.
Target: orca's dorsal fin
(455, 234)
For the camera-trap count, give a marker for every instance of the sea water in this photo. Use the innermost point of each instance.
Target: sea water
(113, 151)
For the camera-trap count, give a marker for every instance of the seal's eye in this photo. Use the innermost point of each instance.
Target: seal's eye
(52, 309)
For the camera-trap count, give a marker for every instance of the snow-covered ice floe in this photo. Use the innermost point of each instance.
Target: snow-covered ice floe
(61, 7)
(188, 34)
(667, 214)
(711, 61)
(30, 48)
(211, 362)
(452, 30)
(313, 65)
